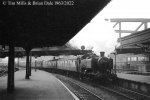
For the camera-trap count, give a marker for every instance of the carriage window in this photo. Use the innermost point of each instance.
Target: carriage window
(141, 58)
(129, 59)
(133, 58)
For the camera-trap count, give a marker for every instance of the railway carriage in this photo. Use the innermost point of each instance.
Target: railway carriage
(67, 64)
(88, 66)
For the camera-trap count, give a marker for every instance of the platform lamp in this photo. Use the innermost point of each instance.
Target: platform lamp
(3, 47)
(35, 62)
(18, 58)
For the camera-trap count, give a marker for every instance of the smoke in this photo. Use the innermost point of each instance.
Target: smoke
(72, 44)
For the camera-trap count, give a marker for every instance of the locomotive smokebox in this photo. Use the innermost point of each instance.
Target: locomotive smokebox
(102, 54)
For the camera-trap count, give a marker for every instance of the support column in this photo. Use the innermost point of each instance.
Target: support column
(120, 33)
(145, 25)
(30, 64)
(115, 64)
(10, 79)
(27, 64)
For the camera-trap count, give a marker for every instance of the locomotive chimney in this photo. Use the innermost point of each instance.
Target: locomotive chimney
(102, 54)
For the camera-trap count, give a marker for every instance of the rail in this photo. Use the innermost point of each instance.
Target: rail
(118, 91)
(3, 73)
(81, 92)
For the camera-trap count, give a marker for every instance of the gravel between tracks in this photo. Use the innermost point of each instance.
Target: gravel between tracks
(106, 95)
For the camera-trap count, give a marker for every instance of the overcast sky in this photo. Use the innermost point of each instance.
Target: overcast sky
(100, 33)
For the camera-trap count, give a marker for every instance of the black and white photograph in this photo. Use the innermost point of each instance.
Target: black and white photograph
(74, 50)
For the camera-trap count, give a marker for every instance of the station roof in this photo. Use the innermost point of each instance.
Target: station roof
(141, 37)
(39, 26)
(130, 50)
(47, 53)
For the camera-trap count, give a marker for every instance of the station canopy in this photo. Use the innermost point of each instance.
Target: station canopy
(46, 51)
(48, 25)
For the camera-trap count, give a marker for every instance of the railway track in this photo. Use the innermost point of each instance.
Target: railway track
(131, 94)
(126, 93)
(79, 90)
(83, 93)
(3, 73)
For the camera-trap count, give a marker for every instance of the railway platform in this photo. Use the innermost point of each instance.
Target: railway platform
(40, 86)
(140, 83)
(136, 78)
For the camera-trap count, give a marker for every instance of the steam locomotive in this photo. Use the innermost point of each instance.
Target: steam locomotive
(88, 66)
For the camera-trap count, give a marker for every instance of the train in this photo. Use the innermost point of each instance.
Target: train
(88, 66)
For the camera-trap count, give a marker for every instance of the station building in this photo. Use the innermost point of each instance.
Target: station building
(134, 52)
(132, 62)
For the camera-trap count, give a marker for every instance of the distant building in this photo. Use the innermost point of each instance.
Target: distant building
(132, 62)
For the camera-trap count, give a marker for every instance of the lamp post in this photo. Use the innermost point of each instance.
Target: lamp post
(19, 55)
(115, 53)
(115, 63)
(42, 63)
(35, 63)
(18, 61)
